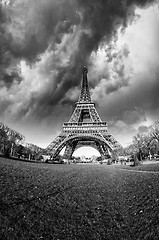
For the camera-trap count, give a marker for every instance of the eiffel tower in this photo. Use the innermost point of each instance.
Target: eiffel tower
(85, 128)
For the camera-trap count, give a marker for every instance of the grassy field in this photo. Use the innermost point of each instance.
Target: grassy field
(46, 201)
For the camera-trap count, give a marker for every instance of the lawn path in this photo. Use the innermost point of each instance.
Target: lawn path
(140, 171)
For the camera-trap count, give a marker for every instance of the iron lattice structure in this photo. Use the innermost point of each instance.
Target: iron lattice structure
(85, 128)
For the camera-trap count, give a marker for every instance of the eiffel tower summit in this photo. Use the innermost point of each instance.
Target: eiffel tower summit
(85, 128)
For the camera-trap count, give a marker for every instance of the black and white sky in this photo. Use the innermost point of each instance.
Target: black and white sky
(45, 43)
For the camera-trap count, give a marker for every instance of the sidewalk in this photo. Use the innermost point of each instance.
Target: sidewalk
(150, 161)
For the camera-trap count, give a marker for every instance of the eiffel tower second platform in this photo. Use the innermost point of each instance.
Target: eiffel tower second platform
(85, 128)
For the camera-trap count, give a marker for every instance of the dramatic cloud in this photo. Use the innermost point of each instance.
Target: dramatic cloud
(44, 45)
(143, 129)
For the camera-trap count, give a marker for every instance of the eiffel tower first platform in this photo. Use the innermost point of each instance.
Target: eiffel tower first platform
(85, 128)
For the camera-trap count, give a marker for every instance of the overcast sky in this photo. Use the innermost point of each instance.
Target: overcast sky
(45, 43)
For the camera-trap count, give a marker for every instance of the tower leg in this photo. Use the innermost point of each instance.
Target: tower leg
(70, 147)
(102, 150)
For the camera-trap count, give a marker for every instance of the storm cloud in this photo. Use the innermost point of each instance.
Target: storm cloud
(45, 44)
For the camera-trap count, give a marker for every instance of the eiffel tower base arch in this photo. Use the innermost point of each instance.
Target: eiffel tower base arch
(72, 143)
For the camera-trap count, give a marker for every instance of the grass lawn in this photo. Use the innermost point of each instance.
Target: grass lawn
(52, 201)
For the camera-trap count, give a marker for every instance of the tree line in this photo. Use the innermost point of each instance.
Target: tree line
(12, 144)
(144, 145)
